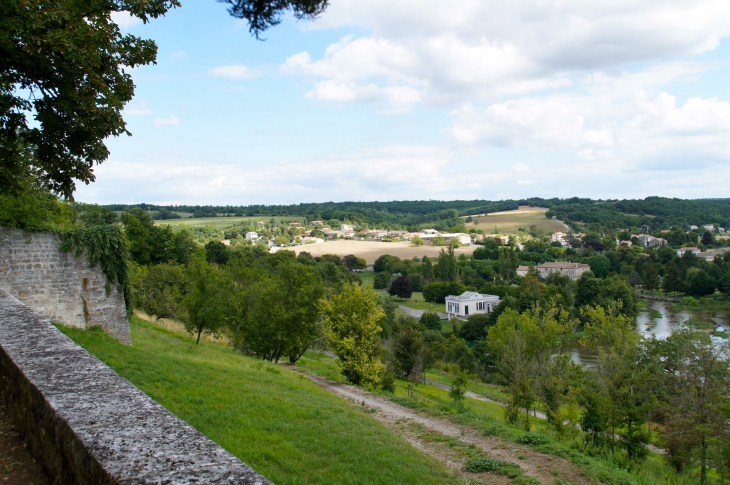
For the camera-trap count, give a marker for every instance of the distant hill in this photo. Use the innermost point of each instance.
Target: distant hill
(578, 213)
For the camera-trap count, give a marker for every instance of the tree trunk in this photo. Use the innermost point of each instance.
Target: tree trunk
(200, 330)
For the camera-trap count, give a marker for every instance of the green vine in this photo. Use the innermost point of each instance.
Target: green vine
(104, 244)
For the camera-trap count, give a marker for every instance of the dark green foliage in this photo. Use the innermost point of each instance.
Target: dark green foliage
(416, 281)
(699, 283)
(32, 209)
(707, 239)
(381, 262)
(427, 270)
(387, 382)
(409, 350)
(94, 215)
(600, 265)
(150, 244)
(381, 280)
(159, 290)
(262, 15)
(431, 321)
(105, 245)
(437, 291)
(458, 389)
(216, 252)
(475, 327)
(75, 74)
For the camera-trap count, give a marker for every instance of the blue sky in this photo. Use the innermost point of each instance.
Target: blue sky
(428, 99)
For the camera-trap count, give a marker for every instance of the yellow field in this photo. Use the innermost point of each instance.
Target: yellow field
(372, 250)
(509, 222)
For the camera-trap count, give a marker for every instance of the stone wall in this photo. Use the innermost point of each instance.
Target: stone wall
(87, 425)
(60, 286)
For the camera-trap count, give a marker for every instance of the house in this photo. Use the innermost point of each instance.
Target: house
(558, 237)
(317, 223)
(712, 254)
(625, 243)
(681, 251)
(709, 227)
(693, 227)
(432, 232)
(651, 241)
(312, 240)
(523, 270)
(261, 223)
(470, 303)
(251, 236)
(463, 239)
(347, 227)
(657, 241)
(295, 224)
(573, 270)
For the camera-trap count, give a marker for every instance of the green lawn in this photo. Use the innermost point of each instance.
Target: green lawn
(269, 416)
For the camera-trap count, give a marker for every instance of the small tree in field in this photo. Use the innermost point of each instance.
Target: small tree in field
(401, 287)
(417, 241)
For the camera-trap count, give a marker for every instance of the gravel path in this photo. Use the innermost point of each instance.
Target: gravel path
(418, 313)
(543, 467)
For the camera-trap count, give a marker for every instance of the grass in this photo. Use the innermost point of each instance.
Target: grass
(416, 301)
(479, 388)
(224, 222)
(269, 416)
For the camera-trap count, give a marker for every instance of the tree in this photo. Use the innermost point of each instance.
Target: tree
(205, 304)
(600, 265)
(381, 280)
(707, 238)
(427, 270)
(284, 317)
(695, 380)
(674, 277)
(417, 241)
(650, 278)
(508, 263)
(216, 252)
(401, 287)
(67, 63)
(408, 350)
(438, 241)
(351, 325)
(431, 321)
(700, 283)
(446, 266)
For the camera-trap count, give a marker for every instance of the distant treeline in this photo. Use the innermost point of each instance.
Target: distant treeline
(597, 215)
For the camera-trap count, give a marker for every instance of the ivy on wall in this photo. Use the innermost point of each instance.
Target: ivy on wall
(106, 245)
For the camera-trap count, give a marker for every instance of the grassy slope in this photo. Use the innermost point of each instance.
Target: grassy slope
(272, 418)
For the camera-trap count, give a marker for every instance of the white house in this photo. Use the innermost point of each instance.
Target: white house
(470, 303)
(251, 236)
(709, 227)
(681, 251)
(523, 270)
(463, 239)
(573, 270)
(429, 231)
(347, 227)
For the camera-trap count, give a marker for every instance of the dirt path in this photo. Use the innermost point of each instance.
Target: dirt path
(447, 442)
(17, 467)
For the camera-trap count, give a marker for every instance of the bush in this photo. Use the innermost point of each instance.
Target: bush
(381, 280)
(431, 321)
(487, 464)
(416, 282)
(535, 439)
(387, 382)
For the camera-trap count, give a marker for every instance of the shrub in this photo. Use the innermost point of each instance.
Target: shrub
(381, 280)
(535, 439)
(387, 382)
(487, 464)
(431, 321)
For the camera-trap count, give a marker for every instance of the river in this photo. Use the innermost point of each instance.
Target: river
(661, 325)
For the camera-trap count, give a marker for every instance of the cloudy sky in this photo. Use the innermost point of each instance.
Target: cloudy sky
(429, 99)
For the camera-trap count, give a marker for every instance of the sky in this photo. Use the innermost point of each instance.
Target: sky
(428, 99)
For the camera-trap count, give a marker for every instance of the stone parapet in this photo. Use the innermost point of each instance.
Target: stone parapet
(88, 425)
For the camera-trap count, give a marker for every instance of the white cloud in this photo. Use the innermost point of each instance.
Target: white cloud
(521, 167)
(125, 20)
(171, 121)
(138, 108)
(479, 51)
(234, 71)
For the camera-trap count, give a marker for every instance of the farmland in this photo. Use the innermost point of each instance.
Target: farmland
(510, 221)
(223, 222)
(372, 250)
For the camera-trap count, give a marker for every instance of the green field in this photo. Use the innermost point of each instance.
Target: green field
(509, 222)
(271, 417)
(224, 222)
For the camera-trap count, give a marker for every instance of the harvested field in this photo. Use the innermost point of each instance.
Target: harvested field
(510, 221)
(372, 250)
